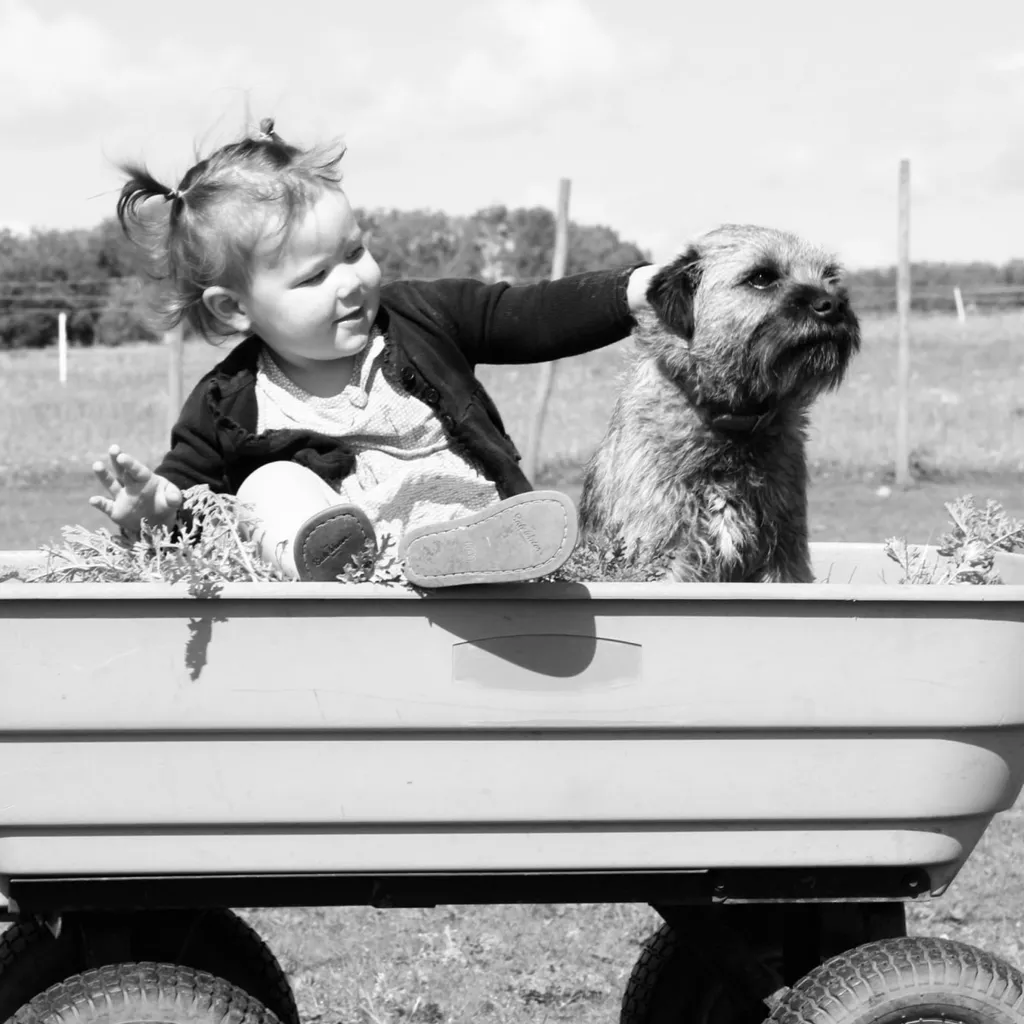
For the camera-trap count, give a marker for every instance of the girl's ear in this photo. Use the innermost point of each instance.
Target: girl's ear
(227, 308)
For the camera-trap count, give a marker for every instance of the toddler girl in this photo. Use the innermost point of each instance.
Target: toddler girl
(349, 410)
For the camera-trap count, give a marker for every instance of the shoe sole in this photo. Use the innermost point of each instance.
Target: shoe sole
(329, 541)
(521, 538)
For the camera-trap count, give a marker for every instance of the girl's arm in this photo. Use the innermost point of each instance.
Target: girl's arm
(136, 493)
(502, 323)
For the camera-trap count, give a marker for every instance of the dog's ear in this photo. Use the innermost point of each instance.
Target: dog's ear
(672, 290)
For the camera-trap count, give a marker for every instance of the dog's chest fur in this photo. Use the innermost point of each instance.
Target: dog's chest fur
(726, 506)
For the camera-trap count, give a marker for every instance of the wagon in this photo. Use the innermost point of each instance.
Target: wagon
(776, 769)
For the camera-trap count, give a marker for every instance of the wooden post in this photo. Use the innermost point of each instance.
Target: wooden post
(62, 347)
(174, 339)
(903, 331)
(547, 371)
(961, 313)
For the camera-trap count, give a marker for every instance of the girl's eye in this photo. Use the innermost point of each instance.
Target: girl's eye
(356, 253)
(316, 278)
(762, 279)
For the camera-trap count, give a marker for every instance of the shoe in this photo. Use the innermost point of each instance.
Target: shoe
(521, 538)
(331, 540)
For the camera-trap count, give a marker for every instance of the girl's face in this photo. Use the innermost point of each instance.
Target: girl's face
(314, 298)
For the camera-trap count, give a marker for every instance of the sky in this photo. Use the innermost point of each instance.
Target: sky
(668, 117)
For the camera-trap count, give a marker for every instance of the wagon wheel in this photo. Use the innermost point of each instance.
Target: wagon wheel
(135, 993)
(217, 941)
(31, 960)
(668, 986)
(909, 980)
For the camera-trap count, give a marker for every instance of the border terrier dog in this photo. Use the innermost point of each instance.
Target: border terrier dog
(703, 467)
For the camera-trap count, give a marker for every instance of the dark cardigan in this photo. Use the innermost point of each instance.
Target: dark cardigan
(437, 333)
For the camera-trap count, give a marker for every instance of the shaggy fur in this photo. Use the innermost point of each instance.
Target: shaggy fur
(703, 464)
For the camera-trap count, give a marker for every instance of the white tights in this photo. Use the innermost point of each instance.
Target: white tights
(283, 495)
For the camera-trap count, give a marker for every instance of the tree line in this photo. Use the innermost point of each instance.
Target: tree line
(96, 278)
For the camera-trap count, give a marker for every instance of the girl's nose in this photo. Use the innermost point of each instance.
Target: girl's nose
(347, 283)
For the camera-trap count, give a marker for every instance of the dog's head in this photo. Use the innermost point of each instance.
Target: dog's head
(752, 316)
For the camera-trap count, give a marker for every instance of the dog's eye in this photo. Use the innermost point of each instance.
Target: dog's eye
(762, 278)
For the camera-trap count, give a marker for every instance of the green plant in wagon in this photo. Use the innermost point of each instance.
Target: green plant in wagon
(969, 549)
(208, 547)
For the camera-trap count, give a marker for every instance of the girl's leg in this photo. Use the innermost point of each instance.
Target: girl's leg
(302, 529)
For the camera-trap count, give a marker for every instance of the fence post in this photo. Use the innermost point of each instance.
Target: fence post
(903, 331)
(547, 370)
(174, 339)
(62, 347)
(961, 313)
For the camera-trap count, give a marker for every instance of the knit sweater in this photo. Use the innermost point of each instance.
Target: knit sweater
(436, 333)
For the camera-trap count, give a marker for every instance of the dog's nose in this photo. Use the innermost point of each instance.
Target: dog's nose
(824, 305)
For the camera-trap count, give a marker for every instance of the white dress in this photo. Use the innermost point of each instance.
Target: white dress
(406, 474)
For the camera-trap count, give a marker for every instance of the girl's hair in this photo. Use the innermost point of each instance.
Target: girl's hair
(217, 214)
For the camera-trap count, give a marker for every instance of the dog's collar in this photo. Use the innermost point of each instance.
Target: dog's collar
(738, 423)
(726, 420)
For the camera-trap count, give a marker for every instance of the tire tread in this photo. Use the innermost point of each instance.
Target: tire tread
(843, 985)
(105, 990)
(659, 948)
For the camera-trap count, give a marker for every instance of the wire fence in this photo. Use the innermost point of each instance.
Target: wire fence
(49, 298)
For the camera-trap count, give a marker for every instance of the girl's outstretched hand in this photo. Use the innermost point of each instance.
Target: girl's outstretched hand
(136, 493)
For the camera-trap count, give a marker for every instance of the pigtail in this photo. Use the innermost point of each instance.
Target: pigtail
(204, 231)
(151, 235)
(267, 131)
(322, 161)
(140, 186)
(270, 146)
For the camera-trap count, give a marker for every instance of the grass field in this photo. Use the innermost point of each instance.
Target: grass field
(966, 426)
(557, 962)
(540, 963)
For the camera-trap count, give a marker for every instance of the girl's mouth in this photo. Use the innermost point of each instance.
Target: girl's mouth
(349, 317)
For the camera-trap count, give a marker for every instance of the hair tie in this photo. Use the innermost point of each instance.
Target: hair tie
(171, 194)
(267, 129)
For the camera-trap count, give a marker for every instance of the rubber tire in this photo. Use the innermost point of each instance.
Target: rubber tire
(31, 960)
(666, 988)
(906, 979)
(133, 993)
(215, 941)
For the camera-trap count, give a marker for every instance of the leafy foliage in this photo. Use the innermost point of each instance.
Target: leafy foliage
(968, 549)
(208, 548)
(99, 280)
(92, 274)
(127, 315)
(617, 564)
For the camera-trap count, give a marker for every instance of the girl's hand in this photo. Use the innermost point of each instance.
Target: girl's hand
(136, 493)
(636, 287)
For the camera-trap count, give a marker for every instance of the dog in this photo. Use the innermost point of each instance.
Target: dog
(703, 467)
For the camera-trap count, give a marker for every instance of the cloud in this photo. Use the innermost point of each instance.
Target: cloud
(535, 54)
(67, 63)
(1008, 63)
(539, 57)
(44, 65)
(1005, 173)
